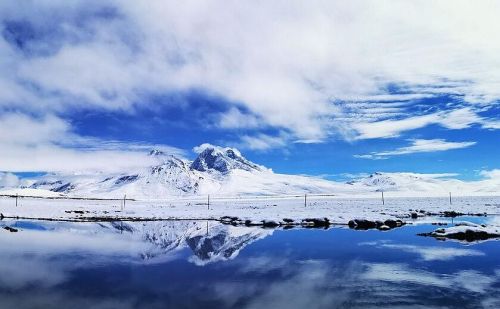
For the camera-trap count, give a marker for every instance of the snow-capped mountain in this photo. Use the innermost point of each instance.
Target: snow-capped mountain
(225, 171)
(173, 176)
(215, 170)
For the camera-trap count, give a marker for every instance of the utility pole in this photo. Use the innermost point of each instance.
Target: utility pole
(383, 200)
(16, 198)
(208, 202)
(450, 198)
(305, 200)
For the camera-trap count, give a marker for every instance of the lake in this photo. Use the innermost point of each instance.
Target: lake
(201, 264)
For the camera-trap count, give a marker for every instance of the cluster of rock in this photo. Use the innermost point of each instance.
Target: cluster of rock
(417, 213)
(454, 214)
(466, 232)
(364, 224)
(358, 224)
(286, 222)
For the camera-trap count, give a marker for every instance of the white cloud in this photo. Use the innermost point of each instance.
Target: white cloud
(235, 119)
(392, 128)
(465, 280)
(48, 145)
(20, 128)
(8, 180)
(262, 142)
(430, 253)
(418, 146)
(455, 119)
(491, 174)
(491, 124)
(199, 149)
(460, 119)
(284, 62)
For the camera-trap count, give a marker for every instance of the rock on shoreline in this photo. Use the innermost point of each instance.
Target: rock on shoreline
(466, 232)
(363, 224)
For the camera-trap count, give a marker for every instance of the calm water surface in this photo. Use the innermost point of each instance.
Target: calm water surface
(200, 264)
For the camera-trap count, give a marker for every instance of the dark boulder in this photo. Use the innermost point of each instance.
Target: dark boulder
(316, 222)
(469, 235)
(10, 229)
(228, 220)
(452, 214)
(362, 224)
(394, 223)
(269, 223)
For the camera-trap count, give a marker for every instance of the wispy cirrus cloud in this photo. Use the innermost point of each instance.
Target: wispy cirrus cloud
(418, 146)
(262, 142)
(456, 119)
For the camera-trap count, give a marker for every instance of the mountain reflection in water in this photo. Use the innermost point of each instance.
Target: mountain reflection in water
(200, 264)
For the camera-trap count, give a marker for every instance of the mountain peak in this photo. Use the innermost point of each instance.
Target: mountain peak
(221, 159)
(156, 152)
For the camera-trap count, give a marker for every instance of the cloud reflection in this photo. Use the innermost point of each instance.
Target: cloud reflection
(428, 253)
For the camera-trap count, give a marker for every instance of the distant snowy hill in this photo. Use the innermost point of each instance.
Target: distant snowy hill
(404, 182)
(423, 184)
(224, 171)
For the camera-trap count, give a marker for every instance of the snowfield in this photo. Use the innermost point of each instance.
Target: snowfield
(338, 210)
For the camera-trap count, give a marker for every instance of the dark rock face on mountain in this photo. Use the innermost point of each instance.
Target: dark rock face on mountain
(45, 183)
(126, 179)
(64, 188)
(156, 153)
(222, 160)
(174, 173)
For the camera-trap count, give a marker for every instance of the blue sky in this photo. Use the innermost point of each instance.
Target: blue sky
(330, 88)
(334, 159)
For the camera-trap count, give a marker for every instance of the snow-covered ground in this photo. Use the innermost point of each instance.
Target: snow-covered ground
(30, 192)
(177, 188)
(336, 209)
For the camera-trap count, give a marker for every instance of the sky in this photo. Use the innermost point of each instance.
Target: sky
(334, 89)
